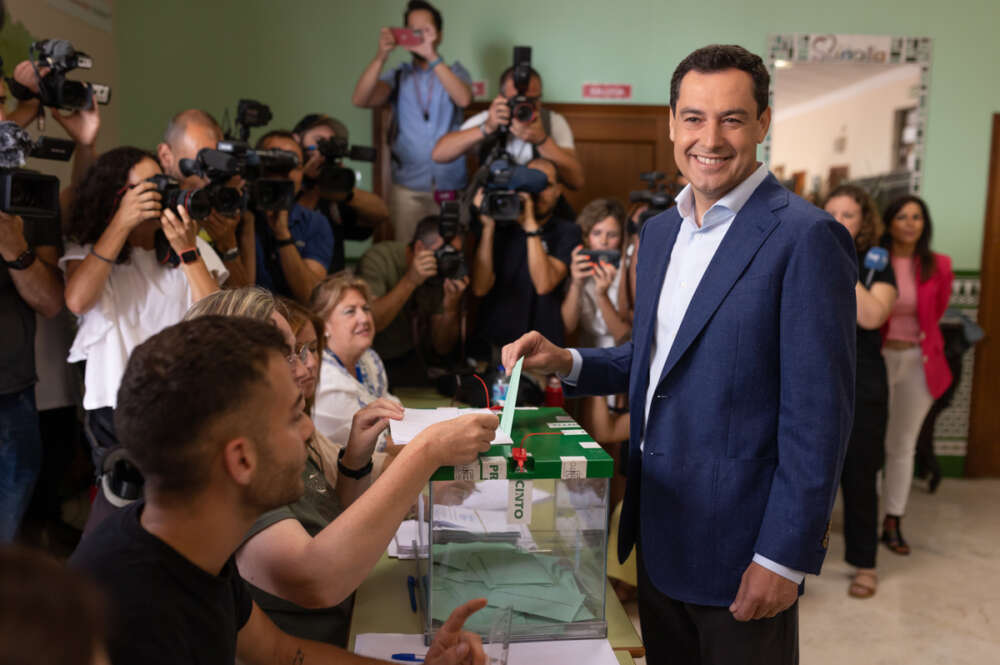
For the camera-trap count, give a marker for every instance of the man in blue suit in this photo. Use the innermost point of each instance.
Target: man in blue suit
(740, 377)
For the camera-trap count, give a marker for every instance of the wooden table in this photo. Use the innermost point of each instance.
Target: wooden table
(382, 605)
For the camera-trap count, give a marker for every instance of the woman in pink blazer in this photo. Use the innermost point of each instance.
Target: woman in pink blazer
(913, 349)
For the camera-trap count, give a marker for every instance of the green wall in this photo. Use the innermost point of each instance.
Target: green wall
(305, 55)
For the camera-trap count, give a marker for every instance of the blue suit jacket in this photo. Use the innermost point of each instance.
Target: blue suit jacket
(749, 423)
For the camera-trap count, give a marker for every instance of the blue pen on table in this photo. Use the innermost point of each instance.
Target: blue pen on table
(407, 657)
(411, 587)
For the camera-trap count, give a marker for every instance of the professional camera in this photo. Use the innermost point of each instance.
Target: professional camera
(333, 178)
(24, 192)
(266, 172)
(655, 195)
(197, 202)
(503, 182)
(54, 89)
(218, 167)
(249, 113)
(450, 260)
(522, 107)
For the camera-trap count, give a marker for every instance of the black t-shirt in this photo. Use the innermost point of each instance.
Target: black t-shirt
(17, 319)
(513, 306)
(163, 608)
(870, 379)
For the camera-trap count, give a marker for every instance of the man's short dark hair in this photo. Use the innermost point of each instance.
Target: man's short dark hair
(720, 57)
(178, 125)
(189, 386)
(509, 73)
(427, 229)
(417, 5)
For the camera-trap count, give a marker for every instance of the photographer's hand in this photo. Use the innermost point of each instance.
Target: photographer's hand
(278, 223)
(82, 125)
(24, 73)
(386, 42)
(182, 232)
(425, 49)
(499, 114)
(488, 222)
(222, 230)
(580, 267)
(532, 132)
(423, 267)
(138, 204)
(604, 274)
(313, 165)
(527, 217)
(453, 290)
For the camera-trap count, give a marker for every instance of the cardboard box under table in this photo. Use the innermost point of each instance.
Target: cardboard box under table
(532, 539)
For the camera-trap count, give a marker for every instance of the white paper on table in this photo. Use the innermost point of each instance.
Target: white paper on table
(417, 420)
(578, 652)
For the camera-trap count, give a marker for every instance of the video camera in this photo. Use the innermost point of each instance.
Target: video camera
(54, 89)
(333, 177)
(249, 113)
(258, 167)
(24, 192)
(522, 107)
(450, 260)
(503, 182)
(655, 195)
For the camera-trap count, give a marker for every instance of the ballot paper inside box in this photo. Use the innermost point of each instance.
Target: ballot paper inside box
(537, 545)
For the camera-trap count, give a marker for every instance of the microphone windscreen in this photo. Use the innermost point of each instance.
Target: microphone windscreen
(15, 145)
(877, 258)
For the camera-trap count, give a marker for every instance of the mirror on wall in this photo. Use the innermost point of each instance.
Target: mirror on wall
(848, 108)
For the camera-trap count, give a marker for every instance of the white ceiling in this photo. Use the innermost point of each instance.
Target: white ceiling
(803, 82)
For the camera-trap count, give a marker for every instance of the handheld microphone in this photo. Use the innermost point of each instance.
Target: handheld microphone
(876, 260)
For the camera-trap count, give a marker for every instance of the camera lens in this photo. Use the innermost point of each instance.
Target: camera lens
(524, 112)
(226, 200)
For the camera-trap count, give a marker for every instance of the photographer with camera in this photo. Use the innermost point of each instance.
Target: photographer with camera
(133, 267)
(29, 283)
(294, 247)
(353, 214)
(519, 267)
(517, 120)
(232, 235)
(427, 96)
(418, 291)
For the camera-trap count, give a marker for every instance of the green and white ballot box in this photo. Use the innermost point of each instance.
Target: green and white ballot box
(532, 540)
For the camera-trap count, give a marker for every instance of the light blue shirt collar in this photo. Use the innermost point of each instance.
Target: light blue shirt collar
(728, 206)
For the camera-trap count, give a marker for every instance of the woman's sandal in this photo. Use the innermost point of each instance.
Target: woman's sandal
(863, 585)
(892, 536)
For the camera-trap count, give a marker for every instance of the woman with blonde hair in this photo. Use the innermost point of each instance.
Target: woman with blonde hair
(353, 375)
(876, 294)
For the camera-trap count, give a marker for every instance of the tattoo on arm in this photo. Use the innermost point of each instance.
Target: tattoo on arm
(299, 657)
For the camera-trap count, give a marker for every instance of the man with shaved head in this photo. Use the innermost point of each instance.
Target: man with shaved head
(232, 236)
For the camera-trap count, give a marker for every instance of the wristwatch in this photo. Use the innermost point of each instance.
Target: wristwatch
(231, 254)
(353, 473)
(190, 255)
(24, 260)
(284, 242)
(533, 234)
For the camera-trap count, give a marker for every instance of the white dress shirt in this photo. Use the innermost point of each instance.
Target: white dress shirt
(692, 252)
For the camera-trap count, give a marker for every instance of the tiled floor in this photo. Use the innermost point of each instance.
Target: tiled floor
(939, 605)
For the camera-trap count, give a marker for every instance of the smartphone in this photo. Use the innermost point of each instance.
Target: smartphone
(612, 256)
(407, 37)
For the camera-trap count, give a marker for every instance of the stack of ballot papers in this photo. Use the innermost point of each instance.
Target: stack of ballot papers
(417, 420)
(540, 588)
(408, 648)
